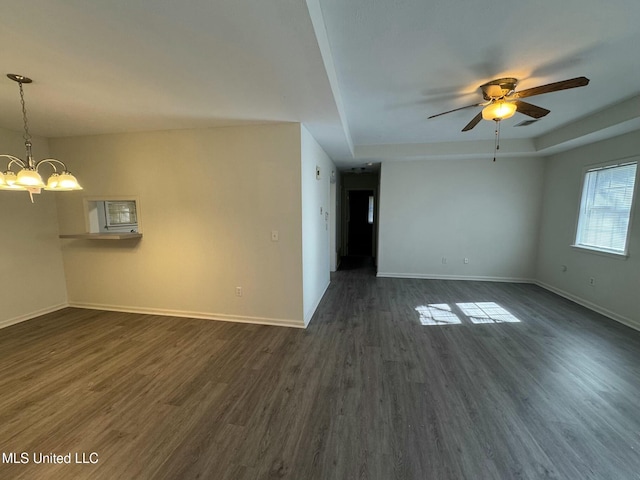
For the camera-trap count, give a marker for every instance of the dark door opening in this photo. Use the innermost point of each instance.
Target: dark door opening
(360, 224)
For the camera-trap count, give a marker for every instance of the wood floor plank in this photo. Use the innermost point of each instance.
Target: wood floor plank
(365, 392)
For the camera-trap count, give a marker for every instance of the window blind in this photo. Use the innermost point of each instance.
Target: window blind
(605, 208)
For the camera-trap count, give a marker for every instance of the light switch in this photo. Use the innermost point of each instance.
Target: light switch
(274, 236)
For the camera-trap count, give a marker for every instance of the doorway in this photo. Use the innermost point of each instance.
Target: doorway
(360, 218)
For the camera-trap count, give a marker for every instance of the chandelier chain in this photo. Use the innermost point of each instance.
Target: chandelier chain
(27, 135)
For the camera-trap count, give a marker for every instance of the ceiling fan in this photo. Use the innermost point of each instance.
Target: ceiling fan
(502, 101)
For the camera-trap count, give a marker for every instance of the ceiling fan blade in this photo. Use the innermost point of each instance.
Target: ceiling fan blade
(473, 122)
(552, 87)
(531, 110)
(456, 109)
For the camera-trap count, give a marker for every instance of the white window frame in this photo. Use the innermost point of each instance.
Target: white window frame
(598, 166)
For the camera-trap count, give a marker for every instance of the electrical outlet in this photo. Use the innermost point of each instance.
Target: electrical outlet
(592, 281)
(238, 291)
(466, 260)
(275, 236)
(444, 260)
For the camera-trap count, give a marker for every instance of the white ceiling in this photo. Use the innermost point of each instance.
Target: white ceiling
(362, 75)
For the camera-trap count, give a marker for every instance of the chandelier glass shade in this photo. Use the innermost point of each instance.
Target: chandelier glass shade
(28, 177)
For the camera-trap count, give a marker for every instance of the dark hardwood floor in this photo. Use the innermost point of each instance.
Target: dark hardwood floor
(366, 392)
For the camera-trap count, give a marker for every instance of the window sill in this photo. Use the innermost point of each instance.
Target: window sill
(604, 253)
(102, 236)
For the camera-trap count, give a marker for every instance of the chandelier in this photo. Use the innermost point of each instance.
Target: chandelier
(28, 178)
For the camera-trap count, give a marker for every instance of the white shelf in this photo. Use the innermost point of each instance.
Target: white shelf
(102, 236)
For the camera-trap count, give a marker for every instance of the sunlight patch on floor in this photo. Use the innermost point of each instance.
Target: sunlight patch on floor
(487, 312)
(437, 314)
(475, 312)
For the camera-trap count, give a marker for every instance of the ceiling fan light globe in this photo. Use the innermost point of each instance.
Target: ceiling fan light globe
(499, 111)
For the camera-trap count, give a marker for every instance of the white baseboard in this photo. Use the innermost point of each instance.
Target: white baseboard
(455, 277)
(30, 315)
(298, 324)
(590, 305)
(280, 322)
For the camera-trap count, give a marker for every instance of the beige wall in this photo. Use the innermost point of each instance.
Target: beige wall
(474, 208)
(32, 279)
(615, 292)
(209, 200)
(209, 230)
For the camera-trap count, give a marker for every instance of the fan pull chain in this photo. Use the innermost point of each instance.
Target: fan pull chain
(496, 145)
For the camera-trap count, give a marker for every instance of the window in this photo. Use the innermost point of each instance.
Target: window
(122, 213)
(605, 208)
(112, 215)
(370, 211)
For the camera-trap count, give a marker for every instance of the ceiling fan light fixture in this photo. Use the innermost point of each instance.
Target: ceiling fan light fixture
(503, 100)
(499, 111)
